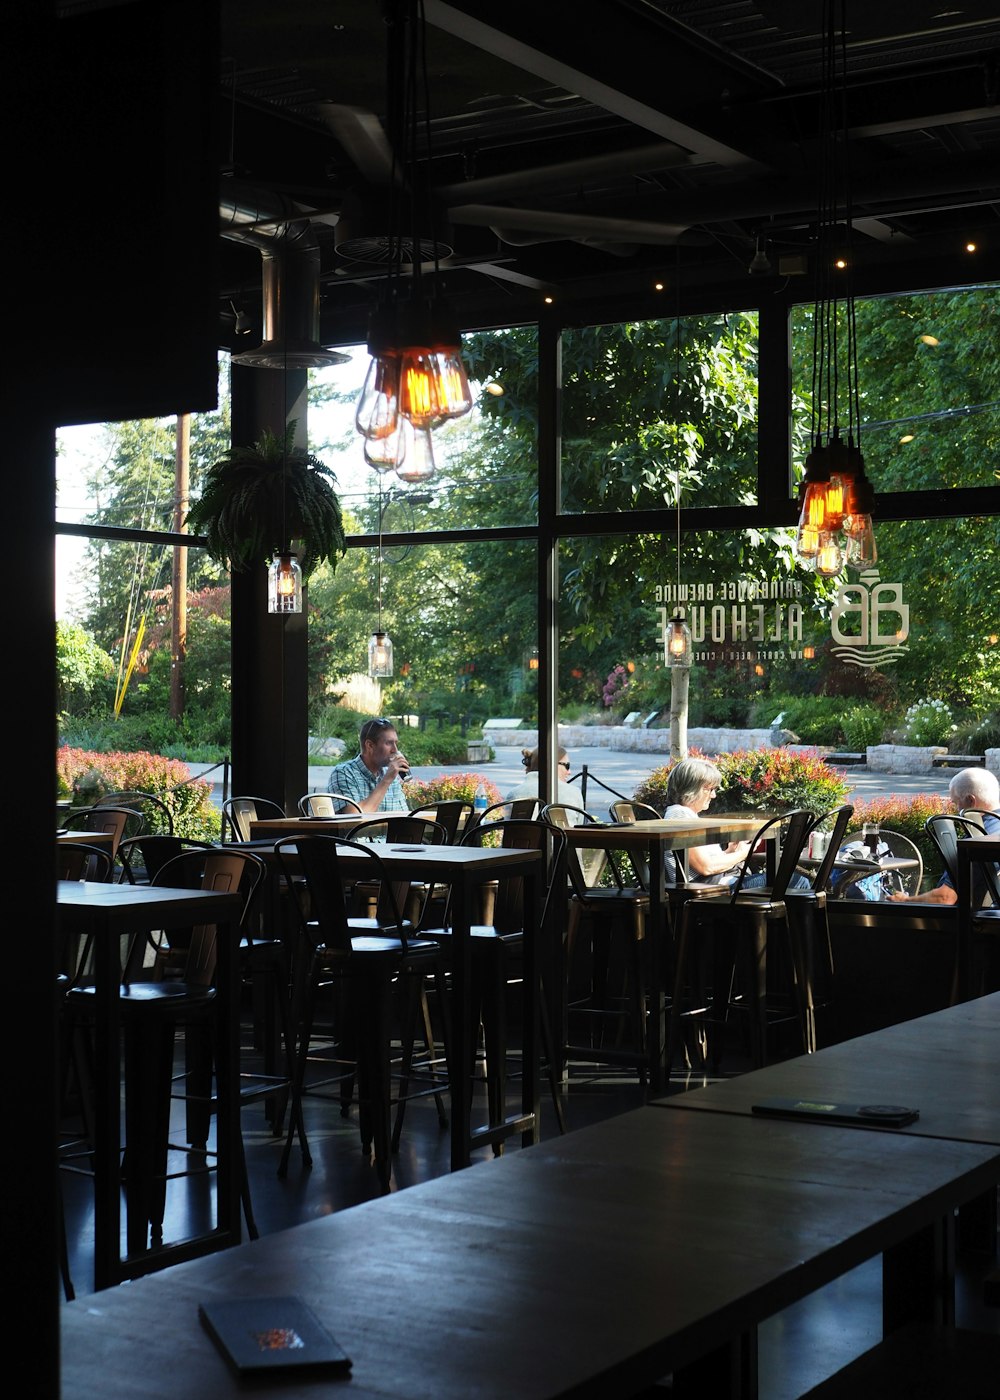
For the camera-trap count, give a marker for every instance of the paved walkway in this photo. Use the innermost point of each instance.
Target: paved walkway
(625, 771)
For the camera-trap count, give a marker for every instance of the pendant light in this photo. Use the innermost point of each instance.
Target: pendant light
(416, 379)
(284, 575)
(835, 496)
(379, 643)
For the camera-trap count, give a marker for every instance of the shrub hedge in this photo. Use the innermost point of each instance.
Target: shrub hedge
(761, 780)
(84, 776)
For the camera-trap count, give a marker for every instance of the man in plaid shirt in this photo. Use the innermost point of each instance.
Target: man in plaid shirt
(373, 779)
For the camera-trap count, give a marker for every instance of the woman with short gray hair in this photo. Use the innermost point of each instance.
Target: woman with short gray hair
(690, 788)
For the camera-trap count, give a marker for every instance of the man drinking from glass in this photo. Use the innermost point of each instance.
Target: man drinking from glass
(374, 778)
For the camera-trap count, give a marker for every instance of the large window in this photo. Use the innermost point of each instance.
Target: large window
(929, 386)
(650, 407)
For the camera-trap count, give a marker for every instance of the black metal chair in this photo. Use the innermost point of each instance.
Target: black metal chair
(239, 812)
(612, 908)
(158, 815)
(151, 1012)
(364, 965)
(454, 814)
(497, 945)
(743, 951)
(946, 831)
(327, 804)
(810, 926)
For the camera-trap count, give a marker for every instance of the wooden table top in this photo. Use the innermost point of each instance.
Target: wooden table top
(679, 833)
(943, 1064)
(591, 1265)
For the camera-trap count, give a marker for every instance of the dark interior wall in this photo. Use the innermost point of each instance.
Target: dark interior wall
(108, 117)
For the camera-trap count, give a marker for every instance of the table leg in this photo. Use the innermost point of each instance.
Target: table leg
(656, 1047)
(530, 1100)
(463, 1049)
(918, 1278)
(107, 1133)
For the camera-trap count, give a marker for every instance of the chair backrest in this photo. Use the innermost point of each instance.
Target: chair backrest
(139, 857)
(625, 811)
(790, 829)
(399, 826)
(209, 868)
(77, 861)
(585, 866)
(158, 815)
(521, 808)
(526, 834)
(239, 812)
(454, 814)
(327, 804)
(116, 822)
(943, 828)
(900, 845)
(314, 872)
(835, 823)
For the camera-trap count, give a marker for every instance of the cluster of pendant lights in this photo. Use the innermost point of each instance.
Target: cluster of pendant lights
(416, 380)
(836, 497)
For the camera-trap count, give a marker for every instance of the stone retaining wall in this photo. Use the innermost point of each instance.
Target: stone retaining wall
(881, 758)
(628, 740)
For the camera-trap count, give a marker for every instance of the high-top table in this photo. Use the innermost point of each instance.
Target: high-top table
(656, 839)
(108, 913)
(464, 869)
(593, 1265)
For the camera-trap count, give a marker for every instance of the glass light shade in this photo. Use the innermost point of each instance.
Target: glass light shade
(377, 413)
(829, 556)
(388, 452)
(678, 643)
(454, 394)
(418, 465)
(379, 654)
(861, 550)
(284, 584)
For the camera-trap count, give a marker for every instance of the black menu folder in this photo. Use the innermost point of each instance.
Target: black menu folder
(862, 1115)
(262, 1335)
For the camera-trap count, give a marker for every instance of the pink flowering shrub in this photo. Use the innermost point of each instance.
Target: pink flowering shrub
(761, 780)
(420, 792)
(616, 682)
(84, 777)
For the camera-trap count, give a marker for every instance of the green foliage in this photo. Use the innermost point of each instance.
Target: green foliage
(816, 719)
(862, 725)
(257, 500)
(83, 669)
(928, 722)
(421, 792)
(87, 776)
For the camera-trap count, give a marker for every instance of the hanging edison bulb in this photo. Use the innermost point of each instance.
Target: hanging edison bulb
(418, 465)
(390, 452)
(829, 555)
(284, 584)
(379, 655)
(377, 413)
(678, 641)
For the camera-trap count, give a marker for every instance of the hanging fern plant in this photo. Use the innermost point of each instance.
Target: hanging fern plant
(257, 500)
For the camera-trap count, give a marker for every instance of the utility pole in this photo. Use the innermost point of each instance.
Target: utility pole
(178, 620)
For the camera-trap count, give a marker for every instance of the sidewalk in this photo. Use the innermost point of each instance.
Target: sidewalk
(624, 771)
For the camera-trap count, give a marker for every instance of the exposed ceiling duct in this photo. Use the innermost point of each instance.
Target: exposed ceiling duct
(290, 280)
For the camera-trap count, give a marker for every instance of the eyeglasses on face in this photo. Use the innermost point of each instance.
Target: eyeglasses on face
(564, 763)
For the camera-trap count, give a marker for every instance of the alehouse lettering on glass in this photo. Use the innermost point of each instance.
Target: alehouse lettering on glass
(762, 620)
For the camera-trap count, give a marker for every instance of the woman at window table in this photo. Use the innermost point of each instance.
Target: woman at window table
(690, 788)
(566, 794)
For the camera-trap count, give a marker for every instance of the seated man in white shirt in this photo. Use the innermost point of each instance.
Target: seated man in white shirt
(978, 789)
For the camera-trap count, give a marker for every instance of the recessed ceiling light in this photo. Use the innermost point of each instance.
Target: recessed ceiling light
(970, 248)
